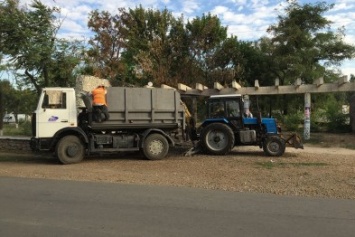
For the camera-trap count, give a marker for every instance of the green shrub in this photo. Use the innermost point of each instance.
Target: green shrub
(293, 121)
(26, 128)
(336, 120)
(316, 121)
(23, 129)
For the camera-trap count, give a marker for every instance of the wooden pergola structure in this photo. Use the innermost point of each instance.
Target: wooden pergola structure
(318, 86)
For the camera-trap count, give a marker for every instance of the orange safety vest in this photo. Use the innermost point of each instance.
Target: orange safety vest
(99, 96)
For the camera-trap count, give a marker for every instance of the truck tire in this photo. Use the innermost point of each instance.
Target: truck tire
(217, 139)
(70, 149)
(155, 147)
(274, 146)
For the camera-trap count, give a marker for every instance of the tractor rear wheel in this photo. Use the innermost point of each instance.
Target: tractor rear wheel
(217, 139)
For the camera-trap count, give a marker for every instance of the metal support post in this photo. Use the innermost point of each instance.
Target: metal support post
(307, 116)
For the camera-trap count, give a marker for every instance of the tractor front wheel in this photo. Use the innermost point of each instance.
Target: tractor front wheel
(274, 146)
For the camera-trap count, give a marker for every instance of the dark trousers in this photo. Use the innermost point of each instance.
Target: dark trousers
(100, 113)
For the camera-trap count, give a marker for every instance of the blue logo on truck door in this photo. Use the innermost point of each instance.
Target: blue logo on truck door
(53, 119)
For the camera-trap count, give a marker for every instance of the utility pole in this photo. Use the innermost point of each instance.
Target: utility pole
(307, 116)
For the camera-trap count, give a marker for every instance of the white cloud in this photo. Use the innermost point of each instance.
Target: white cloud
(348, 67)
(220, 10)
(247, 26)
(189, 7)
(239, 2)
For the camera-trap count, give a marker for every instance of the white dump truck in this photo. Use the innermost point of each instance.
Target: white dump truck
(140, 119)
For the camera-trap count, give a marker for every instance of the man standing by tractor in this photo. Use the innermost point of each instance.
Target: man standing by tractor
(99, 103)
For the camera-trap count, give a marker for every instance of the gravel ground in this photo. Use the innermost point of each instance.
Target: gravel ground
(324, 169)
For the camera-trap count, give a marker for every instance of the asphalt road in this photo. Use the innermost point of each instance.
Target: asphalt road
(42, 207)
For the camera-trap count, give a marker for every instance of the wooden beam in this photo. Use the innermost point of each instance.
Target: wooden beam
(201, 87)
(236, 85)
(218, 86)
(256, 84)
(182, 87)
(342, 85)
(163, 86)
(272, 90)
(298, 82)
(319, 81)
(343, 80)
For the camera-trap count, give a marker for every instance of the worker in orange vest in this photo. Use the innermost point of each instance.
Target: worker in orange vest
(99, 103)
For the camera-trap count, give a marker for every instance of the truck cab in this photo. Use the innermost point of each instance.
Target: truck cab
(55, 111)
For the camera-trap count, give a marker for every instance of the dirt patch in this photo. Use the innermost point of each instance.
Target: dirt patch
(323, 169)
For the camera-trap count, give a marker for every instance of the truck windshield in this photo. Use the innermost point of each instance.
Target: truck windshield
(55, 100)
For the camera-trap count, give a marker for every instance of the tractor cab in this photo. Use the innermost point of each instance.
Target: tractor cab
(225, 109)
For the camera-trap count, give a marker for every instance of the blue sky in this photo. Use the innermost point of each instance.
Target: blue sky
(246, 19)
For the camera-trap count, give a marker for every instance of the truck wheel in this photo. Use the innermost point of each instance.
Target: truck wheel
(156, 147)
(274, 146)
(70, 150)
(217, 139)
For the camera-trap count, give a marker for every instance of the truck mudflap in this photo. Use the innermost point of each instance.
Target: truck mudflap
(293, 140)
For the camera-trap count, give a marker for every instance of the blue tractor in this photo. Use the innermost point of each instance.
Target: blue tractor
(226, 126)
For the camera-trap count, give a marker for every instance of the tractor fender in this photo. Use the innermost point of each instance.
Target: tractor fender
(214, 120)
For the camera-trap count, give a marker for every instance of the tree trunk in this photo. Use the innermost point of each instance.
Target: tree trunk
(33, 81)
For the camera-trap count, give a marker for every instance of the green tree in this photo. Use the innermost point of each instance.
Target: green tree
(205, 34)
(156, 57)
(29, 39)
(65, 58)
(15, 100)
(153, 44)
(107, 44)
(6, 92)
(303, 43)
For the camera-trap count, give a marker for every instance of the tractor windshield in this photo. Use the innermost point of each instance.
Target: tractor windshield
(216, 109)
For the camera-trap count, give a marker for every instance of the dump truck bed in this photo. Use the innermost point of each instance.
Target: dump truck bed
(142, 108)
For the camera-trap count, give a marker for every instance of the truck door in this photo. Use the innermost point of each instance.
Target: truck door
(53, 113)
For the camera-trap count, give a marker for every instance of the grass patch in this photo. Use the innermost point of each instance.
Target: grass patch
(314, 140)
(270, 165)
(349, 146)
(23, 129)
(308, 164)
(12, 159)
